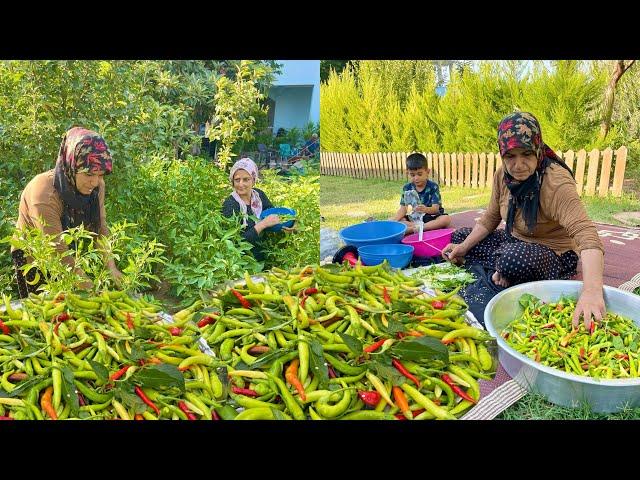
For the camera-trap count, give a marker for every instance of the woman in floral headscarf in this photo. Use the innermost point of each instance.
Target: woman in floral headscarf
(249, 201)
(547, 226)
(67, 196)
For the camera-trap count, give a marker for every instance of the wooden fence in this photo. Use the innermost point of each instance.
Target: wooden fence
(594, 170)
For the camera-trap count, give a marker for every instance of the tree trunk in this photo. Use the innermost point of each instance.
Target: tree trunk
(610, 95)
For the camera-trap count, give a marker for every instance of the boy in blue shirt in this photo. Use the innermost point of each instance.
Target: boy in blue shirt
(429, 203)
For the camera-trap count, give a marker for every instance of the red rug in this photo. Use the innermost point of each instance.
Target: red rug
(621, 245)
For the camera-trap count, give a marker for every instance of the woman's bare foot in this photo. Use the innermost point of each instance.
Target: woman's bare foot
(500, 280)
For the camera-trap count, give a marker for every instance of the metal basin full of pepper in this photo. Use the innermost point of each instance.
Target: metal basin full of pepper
(557, 386)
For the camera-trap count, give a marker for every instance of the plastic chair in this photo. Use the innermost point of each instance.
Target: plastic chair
(285, 151)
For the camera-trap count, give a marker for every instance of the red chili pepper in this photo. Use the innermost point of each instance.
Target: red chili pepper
(119, 373)
(55, 328)
(59, 298)
(146, 400)
(310, 291)
(548, 325)
(385, 295)
(208, 320)
(243, 301)
(415, 413)
(81, 400)
(613, 332)
(245, 391)
(582, 352)
(6, 418)
(4, 328)
(533, 337)
(505, 335)
(258, 350)
(447, 379)
(214, 415)
(374, 346)
(559, 307)
(592, 327)
(62, 317)
(403, 370)
(183, 406)
(437, 304)
(537, 312)
(331, 372)
(371, 397)
(175, 331)
(622, 356)
(129, 322)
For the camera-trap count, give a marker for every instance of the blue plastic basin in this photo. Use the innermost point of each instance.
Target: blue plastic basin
(373, 233)
(397, 254)
(278, 211)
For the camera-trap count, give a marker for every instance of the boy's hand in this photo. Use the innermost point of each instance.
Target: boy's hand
(422, 208)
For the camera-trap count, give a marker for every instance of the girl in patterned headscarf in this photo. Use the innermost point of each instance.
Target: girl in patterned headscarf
(546, 223)
(248, 201)
(67, 196)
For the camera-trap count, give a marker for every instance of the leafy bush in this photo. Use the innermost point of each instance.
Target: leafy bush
(302, 193)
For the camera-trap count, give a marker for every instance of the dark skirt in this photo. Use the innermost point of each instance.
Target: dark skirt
(24, 284)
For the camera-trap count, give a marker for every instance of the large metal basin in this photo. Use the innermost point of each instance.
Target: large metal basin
(559, 387)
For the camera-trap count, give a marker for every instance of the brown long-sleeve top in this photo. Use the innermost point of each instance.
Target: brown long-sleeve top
(562, 223)
(41, 199)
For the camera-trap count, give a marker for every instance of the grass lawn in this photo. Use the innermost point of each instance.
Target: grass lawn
(345, 201)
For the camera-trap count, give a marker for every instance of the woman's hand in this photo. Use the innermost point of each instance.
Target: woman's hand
(454, 253)
(591, 302)
(270, 220)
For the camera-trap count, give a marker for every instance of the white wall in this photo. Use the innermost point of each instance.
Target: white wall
(300, 73)
(292, 107)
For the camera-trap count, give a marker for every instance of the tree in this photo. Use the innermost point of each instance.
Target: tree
(619, 68)
(336, 65)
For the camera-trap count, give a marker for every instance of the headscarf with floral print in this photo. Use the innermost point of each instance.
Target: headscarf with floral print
(81, 151)
(522, 130)
(251, 168)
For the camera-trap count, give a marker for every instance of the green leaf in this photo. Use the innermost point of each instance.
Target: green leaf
(353, 343)
(618, 343)
(23, 386)
(403, 307)
(269, 358)
(159, 376)
(383, 369)
(143, 333)
(137, 352)
(69, 394)
(124, 393)
(528, 300)
(277, 414)
(100, 370)
(317, 362)
(394, 327)
(421, 349)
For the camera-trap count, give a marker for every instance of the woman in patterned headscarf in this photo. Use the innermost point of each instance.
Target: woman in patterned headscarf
(249, 201)
(547, 226)
(67, 196)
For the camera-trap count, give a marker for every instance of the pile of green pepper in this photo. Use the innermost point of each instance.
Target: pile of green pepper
(345, 343)
(106, 357)
(544, 332)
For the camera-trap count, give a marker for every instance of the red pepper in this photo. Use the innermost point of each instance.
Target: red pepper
(533, 337)
(613, 332)
(62, 317)
(447, 379)
(81, 400)
(374, 346)
(183, 406)
(592, 327)
(6, 418)
(385, 295)
(55, 328)
(119, 373)
(4, 328)
(258, 350)
(59, 298)
(309, 291)
(208, 320)
(371, 397)
(582, 352)
(437, 304)
(243, 301)
(415, 413)
(331, 372)
(559, 307)
(175, 331)
(146, 400)
(548, 325)
(129, 322)
(402, 369)
(245, 391)
(214, 415)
